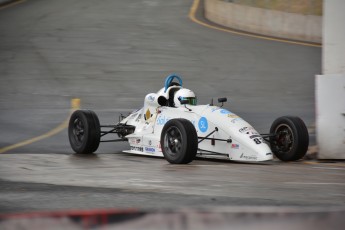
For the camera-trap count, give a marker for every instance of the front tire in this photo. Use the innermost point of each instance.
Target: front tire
(179, 141)
(84, 131)
(291, 139)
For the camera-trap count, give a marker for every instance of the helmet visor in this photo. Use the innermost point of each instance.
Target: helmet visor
(191, 100)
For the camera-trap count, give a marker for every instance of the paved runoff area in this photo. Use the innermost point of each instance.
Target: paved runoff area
(307, 195)
(110, 54)
(123, 180)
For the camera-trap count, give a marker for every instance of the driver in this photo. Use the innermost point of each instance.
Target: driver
(184, 94)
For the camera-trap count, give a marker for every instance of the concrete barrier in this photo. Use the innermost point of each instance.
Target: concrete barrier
(330, 86)
(267, 22)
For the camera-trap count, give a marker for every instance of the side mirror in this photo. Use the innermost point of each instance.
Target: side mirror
(222, 99)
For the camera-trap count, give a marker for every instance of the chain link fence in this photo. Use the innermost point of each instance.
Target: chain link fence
(306, 7)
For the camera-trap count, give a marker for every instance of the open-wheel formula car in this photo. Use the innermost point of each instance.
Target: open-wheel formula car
(173, 126)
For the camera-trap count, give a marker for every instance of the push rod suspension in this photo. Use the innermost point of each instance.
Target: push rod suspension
(203, 138)
(267, 136)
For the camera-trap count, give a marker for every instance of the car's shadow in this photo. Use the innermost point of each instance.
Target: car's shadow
(235, 162)
(137, 158)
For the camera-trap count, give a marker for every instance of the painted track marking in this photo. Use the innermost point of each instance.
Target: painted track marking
(192, 17)
(314, 183)
(75, 104)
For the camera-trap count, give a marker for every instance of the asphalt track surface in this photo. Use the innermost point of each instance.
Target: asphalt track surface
(110, 54)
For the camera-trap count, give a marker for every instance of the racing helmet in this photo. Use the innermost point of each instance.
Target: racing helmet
(185, 94)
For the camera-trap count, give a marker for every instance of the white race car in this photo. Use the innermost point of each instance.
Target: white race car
(173, 126)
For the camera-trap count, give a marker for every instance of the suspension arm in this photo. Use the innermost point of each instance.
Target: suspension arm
(267, 136)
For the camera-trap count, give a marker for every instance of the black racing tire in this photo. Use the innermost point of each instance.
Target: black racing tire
(179, 141)
(84, 131)
(291, 139)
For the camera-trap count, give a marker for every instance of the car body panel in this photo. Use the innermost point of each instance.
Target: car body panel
(235, 139)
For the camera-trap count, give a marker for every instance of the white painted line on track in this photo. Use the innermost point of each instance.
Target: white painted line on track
(314, 183)
(328, 168)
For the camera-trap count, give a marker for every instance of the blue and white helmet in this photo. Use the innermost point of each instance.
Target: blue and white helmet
(185, 94)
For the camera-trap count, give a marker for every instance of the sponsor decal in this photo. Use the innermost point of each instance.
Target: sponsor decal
(137, 141)
(162, 120)
(148, 114)
(268, 154)
(224, 111)
(151, 98)
(215, 109)
(135, 148)
(248, 157)
(132, 141)
(235, 146)
(150, 149)
(232, 116)
(150, 142)
(159, 147)
(250, 131)
(236, 119)
(245, 129)
(203, 124)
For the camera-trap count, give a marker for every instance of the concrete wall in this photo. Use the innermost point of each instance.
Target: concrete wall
(330, 87)
(330, 116)
(266, 22)
(333, 58)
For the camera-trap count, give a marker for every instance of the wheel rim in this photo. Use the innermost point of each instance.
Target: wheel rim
(284, 140)
(78, 131)
(173, 141)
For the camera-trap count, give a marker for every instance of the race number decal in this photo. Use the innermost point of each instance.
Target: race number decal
(257, 141)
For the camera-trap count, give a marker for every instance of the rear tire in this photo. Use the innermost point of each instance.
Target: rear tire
(179, 141)
(291, 140)
(84, 131)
